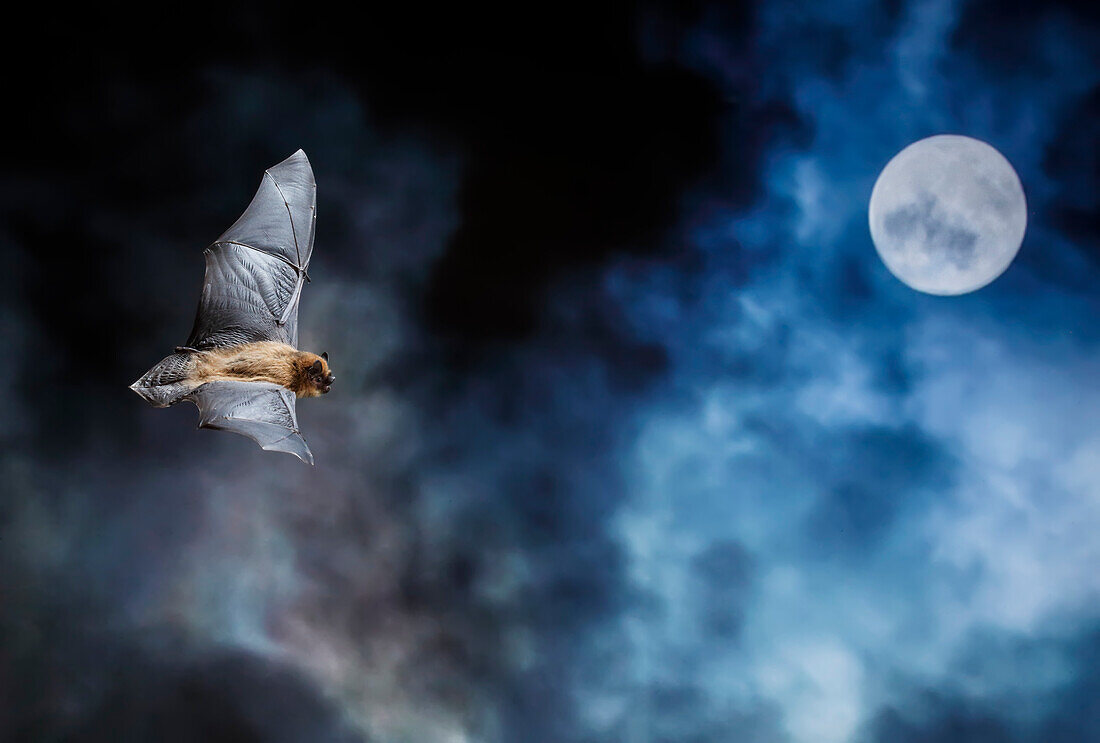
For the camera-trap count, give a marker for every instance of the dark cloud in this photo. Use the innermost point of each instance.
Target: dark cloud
(78, 689)
(1011, 51)
(445, 528)
(898, 472)
(725, 572)
(953, 726)
(1068, 713)
(1073, 161)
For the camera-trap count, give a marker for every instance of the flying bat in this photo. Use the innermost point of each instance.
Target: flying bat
(241, 365)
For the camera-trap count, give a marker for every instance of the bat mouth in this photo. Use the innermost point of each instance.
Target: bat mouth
(326, 383)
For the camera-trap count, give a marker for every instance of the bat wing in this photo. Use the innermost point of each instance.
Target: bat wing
(256, 270)
(261, 411)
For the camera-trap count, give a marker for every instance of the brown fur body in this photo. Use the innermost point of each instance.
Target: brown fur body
(263, 361)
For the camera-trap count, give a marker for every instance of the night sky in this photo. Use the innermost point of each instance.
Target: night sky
(634, 437)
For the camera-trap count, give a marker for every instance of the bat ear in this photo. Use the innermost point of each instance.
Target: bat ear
(317, 366)
(325, 356)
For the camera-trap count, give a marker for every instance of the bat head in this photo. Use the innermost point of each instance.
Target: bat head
(320, 376)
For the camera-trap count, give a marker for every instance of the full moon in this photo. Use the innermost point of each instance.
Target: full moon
(948, 214)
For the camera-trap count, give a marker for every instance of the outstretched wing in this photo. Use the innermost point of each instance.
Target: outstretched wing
(261, 411)
(255, 271)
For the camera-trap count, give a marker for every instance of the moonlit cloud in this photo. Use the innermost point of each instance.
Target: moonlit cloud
(907, 475)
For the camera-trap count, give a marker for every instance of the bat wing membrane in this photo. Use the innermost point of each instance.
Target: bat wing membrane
(256, 270)
(261, 411)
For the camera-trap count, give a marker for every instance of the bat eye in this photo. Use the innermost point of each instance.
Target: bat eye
(325, 356)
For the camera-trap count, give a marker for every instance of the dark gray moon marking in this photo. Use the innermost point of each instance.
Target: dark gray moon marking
(926, 221)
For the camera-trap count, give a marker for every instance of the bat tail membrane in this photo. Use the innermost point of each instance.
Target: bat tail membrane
(167, 382)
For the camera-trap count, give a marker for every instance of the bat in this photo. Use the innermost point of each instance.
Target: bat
(241, 365)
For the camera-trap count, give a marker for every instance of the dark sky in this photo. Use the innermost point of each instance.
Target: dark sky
(634, 438)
